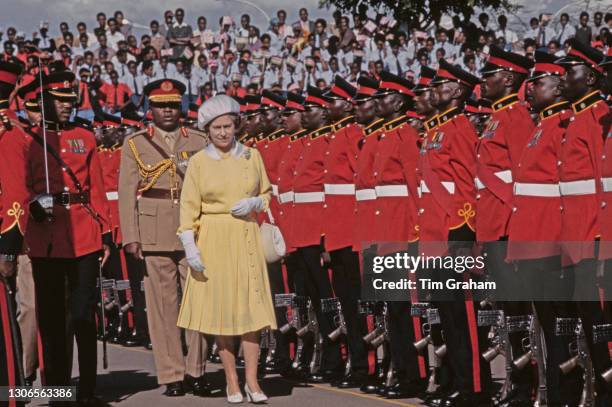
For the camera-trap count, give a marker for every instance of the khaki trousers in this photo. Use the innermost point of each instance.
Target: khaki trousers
(26, 315)
(164, 272)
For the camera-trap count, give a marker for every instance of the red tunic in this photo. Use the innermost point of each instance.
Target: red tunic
(271, 151)
(110, 160)
(339, 182)
(14, 194)
(74, 232)
(535, 224)
(365, 183)
(498, 152)
(605, 213)
(446, 171)
(580, 177)
(286, 168)
(396, 183)
(309, 196)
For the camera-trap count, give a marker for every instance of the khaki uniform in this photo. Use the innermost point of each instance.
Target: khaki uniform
(153, 163)
(26, 315)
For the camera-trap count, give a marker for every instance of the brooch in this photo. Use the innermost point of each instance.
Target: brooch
(247, 154)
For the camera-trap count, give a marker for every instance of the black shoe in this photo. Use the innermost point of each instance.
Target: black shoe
(270, 366)
(148, 345)
(370, 385)
(214, 358)
(403, 391)
(134, 339)
(459, 399)
(198, 386)
(29, 381)
(349, 381)
(325, 376)
(240, 361)
(174, 389)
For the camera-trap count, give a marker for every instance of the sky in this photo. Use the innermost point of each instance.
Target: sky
(26, 15)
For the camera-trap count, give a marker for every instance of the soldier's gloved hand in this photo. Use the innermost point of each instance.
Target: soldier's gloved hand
(247, 205)
(192, 253)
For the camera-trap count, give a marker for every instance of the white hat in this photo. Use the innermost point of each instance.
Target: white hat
(214, 107)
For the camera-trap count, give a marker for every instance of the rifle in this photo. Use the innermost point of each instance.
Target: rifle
(15, 330)
(103, 285)
(380, 335)
(500, 340)
(308, 324)
(424, 310)
(293, 320)
(123, 306)
(334, 307)
(603, 333)
(581, 357)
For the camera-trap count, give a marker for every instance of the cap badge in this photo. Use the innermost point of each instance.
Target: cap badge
(166, 86)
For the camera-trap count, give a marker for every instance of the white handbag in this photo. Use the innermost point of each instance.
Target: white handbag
(272, 240)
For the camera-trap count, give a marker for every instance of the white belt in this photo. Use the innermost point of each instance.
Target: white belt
(543, 190)
(274, 190)
(286, 197)
(505, 176)
(112, 196)
(582, 187)
(307, 197)
(606, 184)
(391, 190)
(339, 189)
(449, 185)
(365, 194)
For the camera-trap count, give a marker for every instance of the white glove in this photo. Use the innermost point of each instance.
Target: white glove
(247, 205)
(192, 253)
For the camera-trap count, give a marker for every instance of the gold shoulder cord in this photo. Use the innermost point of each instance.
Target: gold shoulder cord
(152, 173)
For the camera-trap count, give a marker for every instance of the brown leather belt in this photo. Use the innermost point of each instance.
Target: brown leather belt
(67, 198)
(158, 193)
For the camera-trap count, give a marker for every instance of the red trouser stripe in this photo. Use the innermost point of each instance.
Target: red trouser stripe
(471, 320)
(8, 340)
(416, 322)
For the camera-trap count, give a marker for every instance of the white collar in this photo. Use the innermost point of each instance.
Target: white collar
(236, 150)
(181, 25)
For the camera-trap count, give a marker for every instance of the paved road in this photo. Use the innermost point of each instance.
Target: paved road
(130, 381)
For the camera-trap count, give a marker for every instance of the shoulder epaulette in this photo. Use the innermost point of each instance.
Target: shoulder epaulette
(343, 123)
(276, 134)
(448, 115)
(505, 102)
(587, 101)
(395, 123)
(297, 135)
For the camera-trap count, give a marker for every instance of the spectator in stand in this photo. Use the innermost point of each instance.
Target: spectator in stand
(503, 31)
(565, 30)
(113, 35)
(205, 35)
(583, 31)
(158, 40)
(115, 94)
(43, 41)
(131, 80)
(179, 35)
(597, 24)
(123, 24)
(245, 23)
(101, 28)
(483, 27)
(84, 109)
(168, 22)
(308, 26)
(103, 48)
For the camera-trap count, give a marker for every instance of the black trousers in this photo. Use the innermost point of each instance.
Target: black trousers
(312, 280)
(544, 275)
(66, 295)
(589, 310)
(10, 349)
(511, 285)
(136, 272)
(282, 355)
(346, 279)
(471, 373)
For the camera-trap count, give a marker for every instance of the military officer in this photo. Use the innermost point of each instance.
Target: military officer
(581, 190)
(69, 237)
(396, 224)
(605, 218)
(153, 163)
(446, 171)
(533, 247)
(13, 218)
(339, 210)
(307, 224)
(498, 151)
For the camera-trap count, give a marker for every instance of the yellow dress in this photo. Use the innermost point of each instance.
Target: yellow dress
(233, 295)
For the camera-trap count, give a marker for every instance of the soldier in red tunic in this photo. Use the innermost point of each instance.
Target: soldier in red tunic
(580, 174)
(70, 234)
(339, 211)
(395, 224)
(307, 224)
(14, 197)
(498, 152)
(446, 170)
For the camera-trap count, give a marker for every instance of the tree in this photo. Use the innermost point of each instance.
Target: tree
(421, 13)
